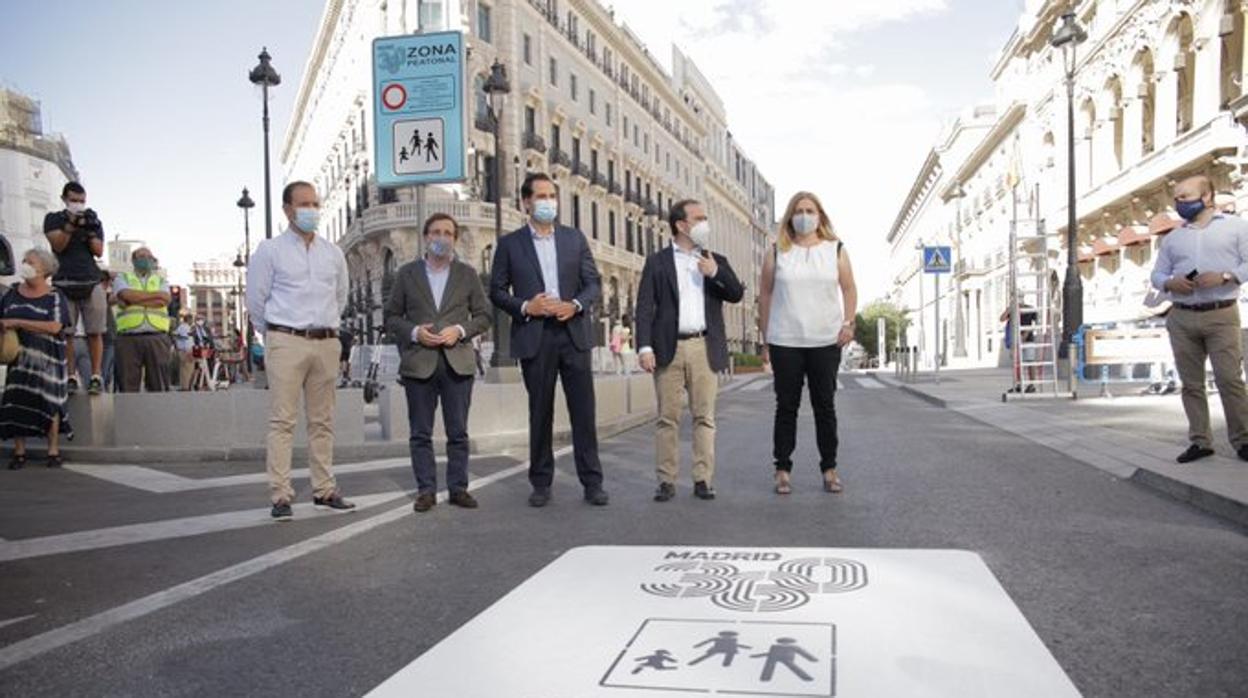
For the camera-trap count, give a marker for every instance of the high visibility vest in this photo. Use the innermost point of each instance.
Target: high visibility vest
(137, 318)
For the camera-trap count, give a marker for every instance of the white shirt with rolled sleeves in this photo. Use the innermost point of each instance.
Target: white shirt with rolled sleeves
(691, 287)
(298, 285)
(1221, 246)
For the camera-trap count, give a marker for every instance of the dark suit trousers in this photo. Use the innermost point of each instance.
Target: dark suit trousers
(794, 366)
(560, 359)
(455, 393)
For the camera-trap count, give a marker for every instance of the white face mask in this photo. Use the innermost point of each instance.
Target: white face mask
(28, 272)
(700, 234)
(805, 223)
(75, 207)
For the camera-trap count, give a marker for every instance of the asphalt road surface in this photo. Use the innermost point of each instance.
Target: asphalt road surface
(171, 581)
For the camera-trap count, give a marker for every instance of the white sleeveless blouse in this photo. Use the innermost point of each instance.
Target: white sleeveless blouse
(806, 298)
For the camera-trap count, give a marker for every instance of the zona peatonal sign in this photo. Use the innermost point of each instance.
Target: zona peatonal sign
(646, 622)
(418, 108)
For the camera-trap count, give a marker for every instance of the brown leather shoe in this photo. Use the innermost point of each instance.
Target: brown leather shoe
(462, 499)
(424, 502)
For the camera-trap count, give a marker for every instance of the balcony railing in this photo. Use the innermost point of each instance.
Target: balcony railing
(532, 141)
(560, 158)
(483, 122)
(579, 169)
(615, 189)
(599, 180)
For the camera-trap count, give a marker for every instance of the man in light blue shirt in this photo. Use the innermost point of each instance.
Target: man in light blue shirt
(296, 291)
(1201, 265)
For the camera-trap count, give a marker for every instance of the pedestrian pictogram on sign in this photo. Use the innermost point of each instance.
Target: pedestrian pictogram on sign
(418, 144)
(936, 260)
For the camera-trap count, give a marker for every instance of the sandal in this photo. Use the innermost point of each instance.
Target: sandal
(782, 483)
(55, 460)
(18, 461)
(832, 484)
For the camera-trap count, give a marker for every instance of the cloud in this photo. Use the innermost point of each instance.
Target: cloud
(807, 108)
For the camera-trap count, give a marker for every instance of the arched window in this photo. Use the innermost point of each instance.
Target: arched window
(1147, 92)
(1114, 90)
(389, 267)
(1185, 74)
(1087, 112)
(1231, 30)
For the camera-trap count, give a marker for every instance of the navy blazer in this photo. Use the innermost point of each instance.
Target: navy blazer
(517, 276)
(658, 308)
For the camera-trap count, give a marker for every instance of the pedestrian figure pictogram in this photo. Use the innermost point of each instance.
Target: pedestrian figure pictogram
(726, 643)
(416, 142)
(657, 661)
(403, 155)
(431, 148)
(785, 652)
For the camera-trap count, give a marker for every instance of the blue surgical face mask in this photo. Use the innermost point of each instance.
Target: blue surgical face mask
(441, 248)
(307, 219)
(143, 265)
(1189, 210)
(545, 210)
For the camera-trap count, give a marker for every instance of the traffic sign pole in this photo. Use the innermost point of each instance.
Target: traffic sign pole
(936, 302)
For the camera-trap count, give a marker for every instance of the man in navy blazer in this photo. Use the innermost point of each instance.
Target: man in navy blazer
(545, 278)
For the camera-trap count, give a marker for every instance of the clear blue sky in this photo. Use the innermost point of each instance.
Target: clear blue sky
(165, 128)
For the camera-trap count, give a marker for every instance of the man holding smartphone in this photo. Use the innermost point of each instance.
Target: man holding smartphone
(1202, 265)
(77, 238)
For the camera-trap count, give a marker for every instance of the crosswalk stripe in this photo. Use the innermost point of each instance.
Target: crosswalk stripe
(161, 482)
(167, 529)
(19, 619)
(758, 385)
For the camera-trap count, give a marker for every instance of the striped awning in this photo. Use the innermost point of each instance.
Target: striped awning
(1104, 246)
(1163, 223)
(1133, 235)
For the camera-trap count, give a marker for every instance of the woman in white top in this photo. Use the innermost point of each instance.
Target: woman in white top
(808, 302)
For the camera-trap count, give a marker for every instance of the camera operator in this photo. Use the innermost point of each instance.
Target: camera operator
(77, 239)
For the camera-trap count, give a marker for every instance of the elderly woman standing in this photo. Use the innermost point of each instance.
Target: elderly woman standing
(34, 398)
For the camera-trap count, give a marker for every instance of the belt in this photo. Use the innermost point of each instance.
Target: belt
(1206, 307)
(682, 336)
(313, 333)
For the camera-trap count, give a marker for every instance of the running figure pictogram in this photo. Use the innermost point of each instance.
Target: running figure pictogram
(658, 661)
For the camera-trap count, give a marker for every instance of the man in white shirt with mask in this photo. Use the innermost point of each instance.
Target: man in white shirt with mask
(296, 291)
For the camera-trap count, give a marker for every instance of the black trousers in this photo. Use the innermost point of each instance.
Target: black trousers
(455, 393)
(560, 359)
(792, 366)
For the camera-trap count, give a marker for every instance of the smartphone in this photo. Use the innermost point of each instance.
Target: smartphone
(1191, 276)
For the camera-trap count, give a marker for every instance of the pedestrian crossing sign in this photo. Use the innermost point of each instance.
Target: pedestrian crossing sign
(937, 260)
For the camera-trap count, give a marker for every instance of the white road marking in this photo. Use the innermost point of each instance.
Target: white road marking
(761, 384)
(839, 384)
(170, 528)
(871, 383)
(93, 625)
(161, 482)
(11, 621)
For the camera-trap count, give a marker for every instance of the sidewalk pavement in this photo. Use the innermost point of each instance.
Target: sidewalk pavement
(1131, 436)
(373, 448)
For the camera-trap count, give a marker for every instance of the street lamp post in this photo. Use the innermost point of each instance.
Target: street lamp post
(245, 203)
(1066, 39)
(495, 87)
(959, 326)
(265, 76)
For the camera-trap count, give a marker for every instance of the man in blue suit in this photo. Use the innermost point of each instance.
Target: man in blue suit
(545, 278)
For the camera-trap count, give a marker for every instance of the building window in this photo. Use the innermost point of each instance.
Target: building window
(528, 50)
(611, 228)
(610, 172)
(554, 136)
(576, 150)
(626, 126)
(530, 120)
(608, 108)
(576, 211)
(593, 102)
(572, 84)
(593, 218)
(429, 15)
(554, 72)
(483, 22)
(636, 135)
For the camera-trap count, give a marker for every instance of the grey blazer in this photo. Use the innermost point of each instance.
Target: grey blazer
(411, 304)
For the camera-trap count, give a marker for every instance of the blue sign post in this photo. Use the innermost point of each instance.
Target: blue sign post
(418, 108)
(937, 260)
